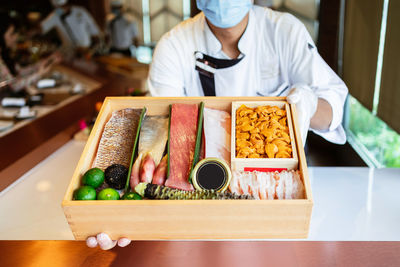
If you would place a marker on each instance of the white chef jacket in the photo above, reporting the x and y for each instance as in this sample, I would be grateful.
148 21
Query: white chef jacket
278 55
77 29
122 30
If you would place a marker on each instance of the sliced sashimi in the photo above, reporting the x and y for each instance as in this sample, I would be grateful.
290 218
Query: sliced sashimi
260 178
234 183
217 132
147 168
153 137
288 179
268 185
280 186
298 186
118 138
182 142
160 174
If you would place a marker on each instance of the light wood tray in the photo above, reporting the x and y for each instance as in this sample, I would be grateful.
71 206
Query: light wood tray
184 219
275 163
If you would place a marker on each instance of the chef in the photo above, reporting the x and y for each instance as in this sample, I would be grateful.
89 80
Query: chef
234 48
122 29
74 24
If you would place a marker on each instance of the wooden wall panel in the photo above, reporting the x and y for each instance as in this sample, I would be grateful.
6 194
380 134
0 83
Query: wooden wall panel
389 99
361 45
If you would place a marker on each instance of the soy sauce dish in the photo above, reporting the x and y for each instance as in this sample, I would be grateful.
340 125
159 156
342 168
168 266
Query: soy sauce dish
211 173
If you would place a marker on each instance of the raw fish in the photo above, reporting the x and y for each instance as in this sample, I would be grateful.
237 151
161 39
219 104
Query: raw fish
160 174
118 138
147 168
153 137
183 131
217 131
268 185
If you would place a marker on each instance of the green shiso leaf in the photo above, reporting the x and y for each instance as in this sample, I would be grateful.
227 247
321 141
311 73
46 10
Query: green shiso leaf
198 140
168 142
134 150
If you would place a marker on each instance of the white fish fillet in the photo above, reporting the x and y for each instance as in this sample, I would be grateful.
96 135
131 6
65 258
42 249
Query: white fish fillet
280 186
117 139
268 185
153 137
217 132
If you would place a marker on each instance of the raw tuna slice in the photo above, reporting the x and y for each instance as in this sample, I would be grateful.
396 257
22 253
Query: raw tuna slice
183 130
217 131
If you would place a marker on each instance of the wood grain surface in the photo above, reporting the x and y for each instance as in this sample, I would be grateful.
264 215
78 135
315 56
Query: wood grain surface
184 219
196 254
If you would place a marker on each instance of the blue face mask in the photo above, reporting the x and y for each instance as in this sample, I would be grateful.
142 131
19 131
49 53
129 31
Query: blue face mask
224 13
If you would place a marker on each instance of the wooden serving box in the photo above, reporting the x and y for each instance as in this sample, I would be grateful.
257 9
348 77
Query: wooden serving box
184 219
241 164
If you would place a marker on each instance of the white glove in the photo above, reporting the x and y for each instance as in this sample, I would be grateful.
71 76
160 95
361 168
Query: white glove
306 105
105 242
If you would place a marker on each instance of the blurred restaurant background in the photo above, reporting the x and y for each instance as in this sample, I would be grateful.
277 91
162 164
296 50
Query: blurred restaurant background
59 101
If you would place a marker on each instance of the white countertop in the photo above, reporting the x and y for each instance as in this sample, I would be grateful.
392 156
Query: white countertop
350 203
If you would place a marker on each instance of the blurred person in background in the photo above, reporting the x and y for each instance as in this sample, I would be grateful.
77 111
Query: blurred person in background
74 24
122 30
11 73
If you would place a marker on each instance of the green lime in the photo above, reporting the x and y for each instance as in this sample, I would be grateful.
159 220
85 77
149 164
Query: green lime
85 193
132 196
108 194
93 177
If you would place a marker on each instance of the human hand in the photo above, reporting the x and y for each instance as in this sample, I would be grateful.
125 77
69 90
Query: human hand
105 242
306 102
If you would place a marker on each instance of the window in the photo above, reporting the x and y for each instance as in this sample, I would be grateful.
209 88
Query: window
373 139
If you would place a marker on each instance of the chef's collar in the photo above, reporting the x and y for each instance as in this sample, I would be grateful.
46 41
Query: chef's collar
214 47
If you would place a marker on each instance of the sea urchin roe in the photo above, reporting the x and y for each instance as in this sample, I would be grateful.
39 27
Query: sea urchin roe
262 132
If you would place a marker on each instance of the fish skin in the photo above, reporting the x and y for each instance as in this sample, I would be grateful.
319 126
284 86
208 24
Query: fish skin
153 137
147 168
135 178
160 174
117 139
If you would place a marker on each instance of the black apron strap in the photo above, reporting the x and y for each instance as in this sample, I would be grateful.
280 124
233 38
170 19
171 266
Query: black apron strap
206 77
